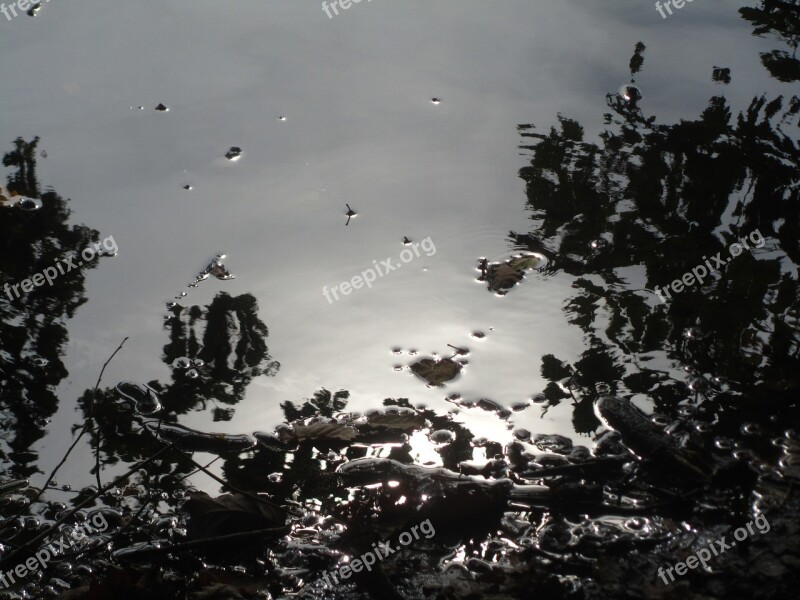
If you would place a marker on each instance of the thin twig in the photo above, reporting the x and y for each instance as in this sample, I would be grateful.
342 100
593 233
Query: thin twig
91 416
85 428
233 537
250 495
89 499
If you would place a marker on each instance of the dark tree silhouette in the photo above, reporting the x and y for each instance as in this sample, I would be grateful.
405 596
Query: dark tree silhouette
779 19
33 331
647 204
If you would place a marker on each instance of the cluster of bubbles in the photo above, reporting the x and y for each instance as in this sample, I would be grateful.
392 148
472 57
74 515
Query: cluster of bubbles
215 267
19 202
189 367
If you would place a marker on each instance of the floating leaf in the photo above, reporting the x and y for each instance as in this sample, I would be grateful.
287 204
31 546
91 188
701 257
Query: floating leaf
325 431
230 513
198 441
503 277
436 372
403 420
528 261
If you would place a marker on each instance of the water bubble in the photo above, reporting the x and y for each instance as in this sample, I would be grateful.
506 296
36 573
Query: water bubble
187 187
693 333
636 523
171 305
234 153
723 443
698 385
29 204
686 411
599 244
522 434
743 454
275 477
281 118
703 427
192 374
39 362
660 420
397 350
182 363
66 487
631 93
719 382
198 362
750 429
436 101
162 108
790 460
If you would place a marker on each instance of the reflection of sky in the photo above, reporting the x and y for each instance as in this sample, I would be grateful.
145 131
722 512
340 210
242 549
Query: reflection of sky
361 129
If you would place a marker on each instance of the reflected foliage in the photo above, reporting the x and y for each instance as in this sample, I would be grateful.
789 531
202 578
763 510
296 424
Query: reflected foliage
33 332
778 19
226 344
647 204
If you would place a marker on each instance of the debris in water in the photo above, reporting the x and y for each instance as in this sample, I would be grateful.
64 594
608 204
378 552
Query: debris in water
350 214
234 153
162 108
192 440
144 398
436 372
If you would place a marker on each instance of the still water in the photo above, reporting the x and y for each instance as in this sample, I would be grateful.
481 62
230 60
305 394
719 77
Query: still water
517 182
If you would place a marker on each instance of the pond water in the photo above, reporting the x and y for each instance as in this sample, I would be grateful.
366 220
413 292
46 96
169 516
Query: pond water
535 173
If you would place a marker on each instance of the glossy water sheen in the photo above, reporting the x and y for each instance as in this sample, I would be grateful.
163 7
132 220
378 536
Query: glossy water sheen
393 122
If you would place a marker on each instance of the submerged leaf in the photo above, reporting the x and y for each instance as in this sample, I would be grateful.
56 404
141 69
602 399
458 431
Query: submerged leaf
230 513
436 372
